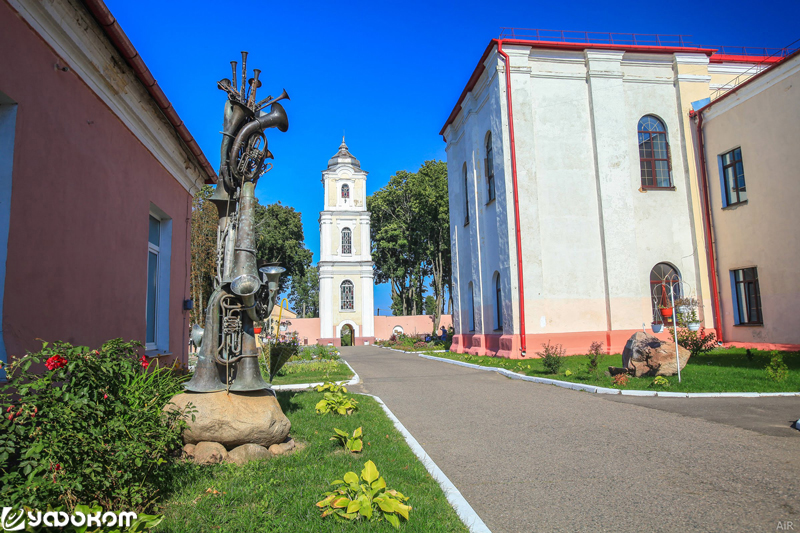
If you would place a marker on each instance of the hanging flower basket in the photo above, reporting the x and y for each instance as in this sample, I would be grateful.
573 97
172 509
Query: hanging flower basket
666 312
683 310
256 330
693 326
657 327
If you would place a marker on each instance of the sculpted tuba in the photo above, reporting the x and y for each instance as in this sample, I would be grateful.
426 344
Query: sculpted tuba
228 353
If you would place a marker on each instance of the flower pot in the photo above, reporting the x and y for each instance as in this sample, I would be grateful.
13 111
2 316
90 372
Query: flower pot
256 330
666 312
693 326
657 328
683 310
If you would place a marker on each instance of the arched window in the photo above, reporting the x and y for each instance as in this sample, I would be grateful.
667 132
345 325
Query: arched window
489 166
498 301
466 197
345 191
346 294
471 307
347 241
664 278
654 160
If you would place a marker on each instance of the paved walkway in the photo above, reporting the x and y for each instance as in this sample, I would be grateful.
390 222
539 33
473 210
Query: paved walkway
532 457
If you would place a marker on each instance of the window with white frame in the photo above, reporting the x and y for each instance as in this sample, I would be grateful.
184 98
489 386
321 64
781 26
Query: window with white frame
347 241
347 296
159 245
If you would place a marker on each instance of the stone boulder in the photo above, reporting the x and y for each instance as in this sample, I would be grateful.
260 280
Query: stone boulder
646 355
233 419
209 453
248 452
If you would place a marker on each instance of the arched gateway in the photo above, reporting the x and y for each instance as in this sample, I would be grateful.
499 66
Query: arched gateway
345 266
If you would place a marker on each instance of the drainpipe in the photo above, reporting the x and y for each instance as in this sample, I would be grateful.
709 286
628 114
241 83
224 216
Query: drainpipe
712 260
523 337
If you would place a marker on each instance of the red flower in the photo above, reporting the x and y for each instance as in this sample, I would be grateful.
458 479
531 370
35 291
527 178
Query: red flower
55 362
144 361
11 417
105 396
9 409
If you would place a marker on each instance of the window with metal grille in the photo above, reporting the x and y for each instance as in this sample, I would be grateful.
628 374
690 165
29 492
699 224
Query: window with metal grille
345 191
489 167
665 282
654 160
733 177
346 291
746 296
347 241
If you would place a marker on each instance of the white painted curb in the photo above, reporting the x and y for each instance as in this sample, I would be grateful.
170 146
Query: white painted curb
464 510
599 390
302 386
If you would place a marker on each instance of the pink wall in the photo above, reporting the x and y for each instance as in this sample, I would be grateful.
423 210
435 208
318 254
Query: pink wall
82 187
308 328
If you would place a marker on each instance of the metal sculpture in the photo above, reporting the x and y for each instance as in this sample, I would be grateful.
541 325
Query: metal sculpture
244 291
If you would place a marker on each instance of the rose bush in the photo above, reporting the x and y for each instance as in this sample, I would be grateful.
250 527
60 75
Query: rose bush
89 429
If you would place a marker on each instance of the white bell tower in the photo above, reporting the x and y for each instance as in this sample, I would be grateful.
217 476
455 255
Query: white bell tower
345 266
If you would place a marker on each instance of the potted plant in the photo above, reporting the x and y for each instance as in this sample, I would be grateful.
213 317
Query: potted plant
684 306
666 312
692 322
657 327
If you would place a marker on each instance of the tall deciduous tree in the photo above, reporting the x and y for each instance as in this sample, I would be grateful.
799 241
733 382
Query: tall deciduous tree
304 294
204 252
411 237
280 239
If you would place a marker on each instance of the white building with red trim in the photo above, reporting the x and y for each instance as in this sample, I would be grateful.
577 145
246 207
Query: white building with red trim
572 189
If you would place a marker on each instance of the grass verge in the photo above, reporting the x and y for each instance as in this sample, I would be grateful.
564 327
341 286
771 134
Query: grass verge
722 370
279 494
312 372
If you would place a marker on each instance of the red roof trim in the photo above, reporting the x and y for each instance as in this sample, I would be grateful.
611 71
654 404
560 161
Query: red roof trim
557 45
727 58
124 46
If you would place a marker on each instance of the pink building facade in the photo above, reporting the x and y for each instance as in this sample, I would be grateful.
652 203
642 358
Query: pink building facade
97 182
420 325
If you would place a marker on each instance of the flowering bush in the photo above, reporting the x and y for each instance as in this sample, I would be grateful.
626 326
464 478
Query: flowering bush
89 429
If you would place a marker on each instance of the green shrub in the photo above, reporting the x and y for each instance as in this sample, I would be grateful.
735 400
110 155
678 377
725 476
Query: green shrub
353 444
595 351
660 381
777 369
370 499
336 403
697 342
89 429
552 357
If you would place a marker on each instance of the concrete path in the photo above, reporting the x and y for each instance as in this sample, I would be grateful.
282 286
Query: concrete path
532 457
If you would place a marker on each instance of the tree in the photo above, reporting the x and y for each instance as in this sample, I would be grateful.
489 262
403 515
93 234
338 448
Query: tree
304 294
430 305
410 224
203 252
280 239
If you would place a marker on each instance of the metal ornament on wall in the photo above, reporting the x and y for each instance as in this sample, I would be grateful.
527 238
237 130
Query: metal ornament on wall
244 291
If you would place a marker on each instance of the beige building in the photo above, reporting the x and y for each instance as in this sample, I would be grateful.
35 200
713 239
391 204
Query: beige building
574 188
747 139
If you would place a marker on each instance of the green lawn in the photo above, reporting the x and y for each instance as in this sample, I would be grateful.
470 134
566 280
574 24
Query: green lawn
722 370
308 373
279 494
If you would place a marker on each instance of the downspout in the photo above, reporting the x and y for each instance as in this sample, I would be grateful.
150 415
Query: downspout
712 260
523 336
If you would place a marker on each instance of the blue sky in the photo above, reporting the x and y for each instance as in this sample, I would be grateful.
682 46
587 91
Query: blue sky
386 73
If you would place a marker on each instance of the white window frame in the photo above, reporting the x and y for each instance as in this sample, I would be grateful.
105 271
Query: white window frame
342 243
163 252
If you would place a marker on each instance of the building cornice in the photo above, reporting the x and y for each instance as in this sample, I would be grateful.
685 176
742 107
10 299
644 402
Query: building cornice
77 38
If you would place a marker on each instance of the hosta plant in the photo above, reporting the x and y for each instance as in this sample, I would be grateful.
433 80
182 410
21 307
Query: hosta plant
353 444
330 387
336 403
660 381
366 498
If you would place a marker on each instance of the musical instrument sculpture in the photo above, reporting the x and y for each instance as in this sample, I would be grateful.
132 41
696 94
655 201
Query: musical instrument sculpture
244 291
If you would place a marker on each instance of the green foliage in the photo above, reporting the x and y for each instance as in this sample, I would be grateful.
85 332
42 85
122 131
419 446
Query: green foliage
204 252
89 429
336 403
552 357
347 337
280 239
353 444
310 366
660 381
697 342
777 369
368 499
331 387
595 351
304 293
